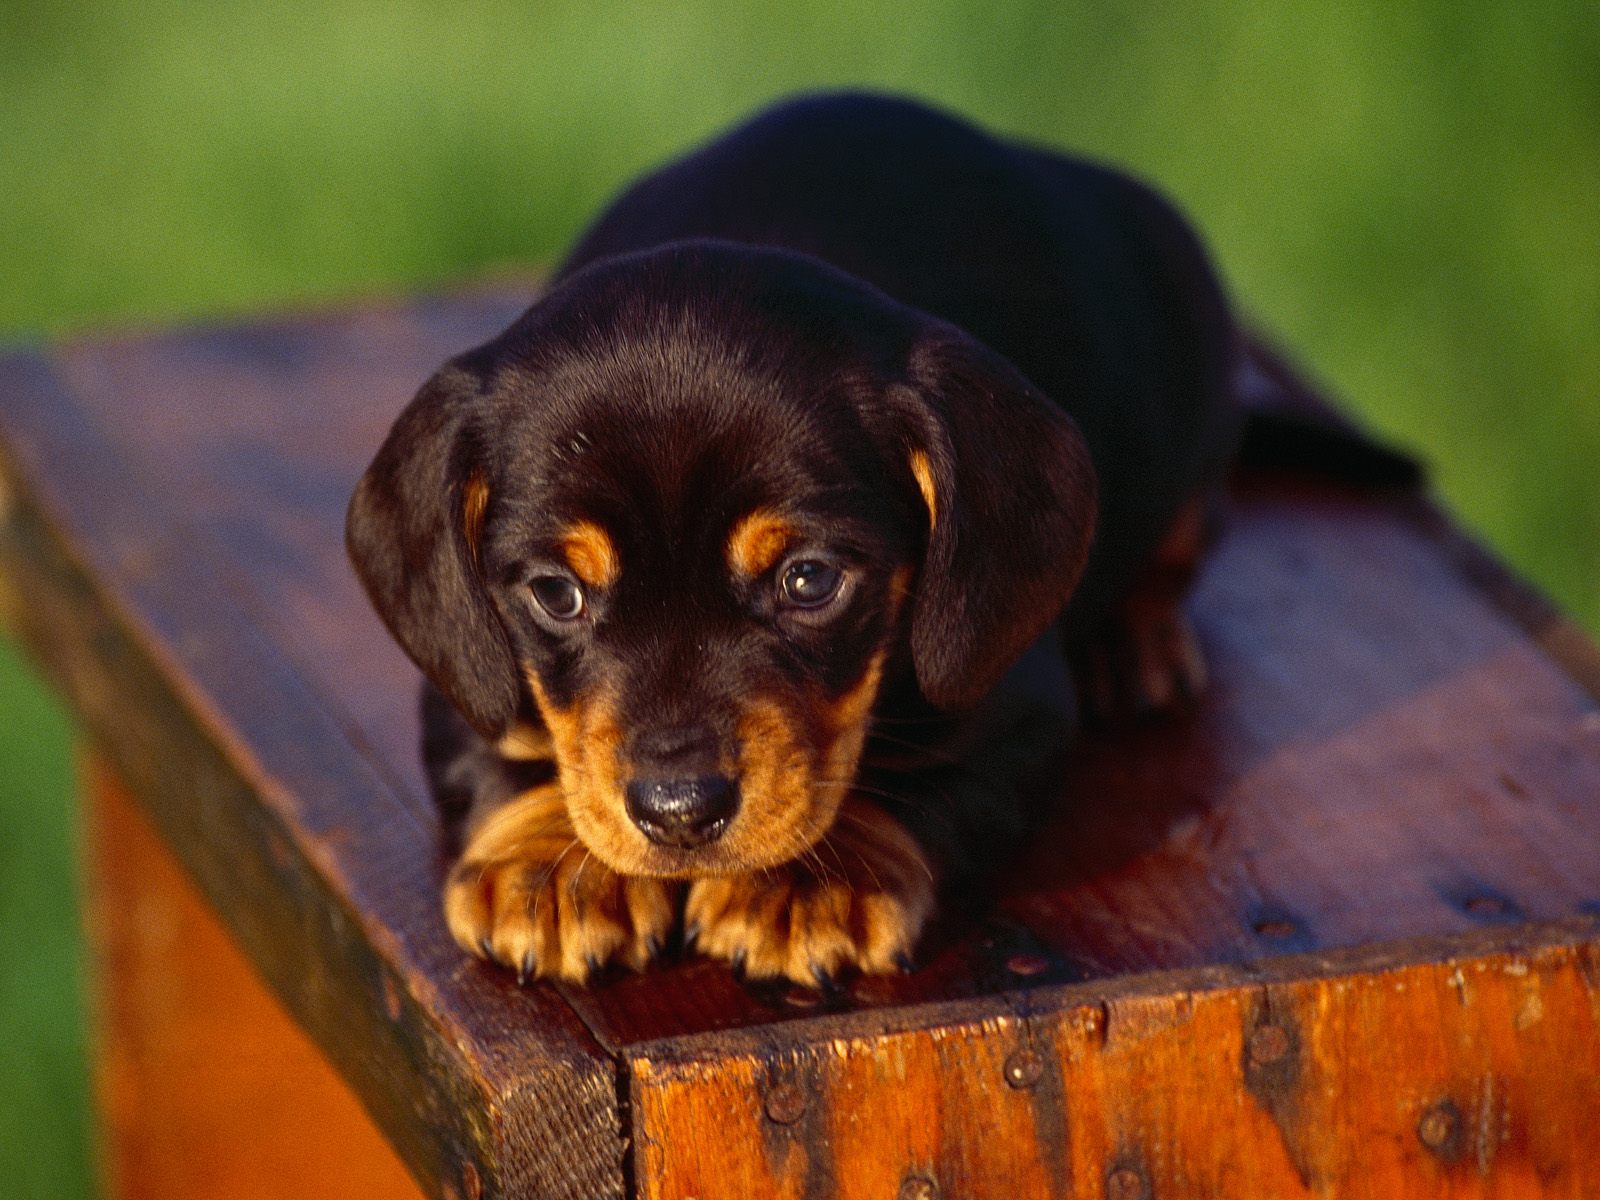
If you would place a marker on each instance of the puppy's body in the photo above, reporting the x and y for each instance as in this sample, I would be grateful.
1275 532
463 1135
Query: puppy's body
717 555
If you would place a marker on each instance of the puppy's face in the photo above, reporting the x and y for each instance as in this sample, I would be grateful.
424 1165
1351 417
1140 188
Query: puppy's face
701 571
698 507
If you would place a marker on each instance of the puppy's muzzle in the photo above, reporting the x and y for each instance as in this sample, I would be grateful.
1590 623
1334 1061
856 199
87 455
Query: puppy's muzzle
682 813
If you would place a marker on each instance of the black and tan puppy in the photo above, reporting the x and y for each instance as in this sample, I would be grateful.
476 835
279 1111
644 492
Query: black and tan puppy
717 555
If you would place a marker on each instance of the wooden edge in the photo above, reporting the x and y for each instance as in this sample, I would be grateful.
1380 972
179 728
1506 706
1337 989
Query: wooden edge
1476 1075
503 283
1368 958
527 1106
1561 638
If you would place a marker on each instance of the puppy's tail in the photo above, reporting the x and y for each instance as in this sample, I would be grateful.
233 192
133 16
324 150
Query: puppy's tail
1289 429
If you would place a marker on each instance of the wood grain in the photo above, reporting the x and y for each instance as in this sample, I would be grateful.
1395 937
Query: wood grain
1424 1079
205 1087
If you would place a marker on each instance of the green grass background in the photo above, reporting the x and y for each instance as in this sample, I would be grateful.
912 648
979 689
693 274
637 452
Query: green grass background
1409 195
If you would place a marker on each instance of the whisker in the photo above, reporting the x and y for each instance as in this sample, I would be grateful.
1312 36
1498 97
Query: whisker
867 863
876 836
809 856
572 884
554 821
833 849
866 789
545 878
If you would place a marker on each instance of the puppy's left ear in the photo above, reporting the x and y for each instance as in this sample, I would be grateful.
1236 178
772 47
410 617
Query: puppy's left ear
412 534
1010 492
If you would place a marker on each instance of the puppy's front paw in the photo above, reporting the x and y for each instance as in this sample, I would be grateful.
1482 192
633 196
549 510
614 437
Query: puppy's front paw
529 895
859 898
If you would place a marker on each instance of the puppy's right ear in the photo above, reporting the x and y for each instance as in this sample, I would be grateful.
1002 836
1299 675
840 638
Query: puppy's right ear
1010 492
411 533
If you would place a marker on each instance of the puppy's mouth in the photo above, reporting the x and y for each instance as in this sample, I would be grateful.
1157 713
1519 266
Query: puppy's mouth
769 801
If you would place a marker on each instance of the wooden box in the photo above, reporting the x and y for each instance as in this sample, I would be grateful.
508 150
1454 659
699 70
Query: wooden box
1334 933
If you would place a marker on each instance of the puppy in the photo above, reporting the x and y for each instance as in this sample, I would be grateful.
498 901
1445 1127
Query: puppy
714 560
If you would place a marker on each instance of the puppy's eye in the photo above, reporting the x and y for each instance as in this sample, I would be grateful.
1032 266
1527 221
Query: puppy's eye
809 583
560 598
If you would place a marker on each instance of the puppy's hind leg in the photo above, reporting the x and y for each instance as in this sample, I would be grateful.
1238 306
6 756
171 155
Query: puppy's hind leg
1145 659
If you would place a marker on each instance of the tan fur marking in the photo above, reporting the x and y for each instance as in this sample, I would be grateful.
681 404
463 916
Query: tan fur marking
528 895
922 472
518 824
847 717
854 702
757 541
586 738
526 743
794 770
793 779
591 554
782 810
538 887
899 592
474 500
860 900
839 882
563 724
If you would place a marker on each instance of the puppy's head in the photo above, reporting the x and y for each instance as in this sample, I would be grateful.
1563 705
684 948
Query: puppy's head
699 506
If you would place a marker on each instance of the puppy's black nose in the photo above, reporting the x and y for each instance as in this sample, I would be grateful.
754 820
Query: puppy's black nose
682 813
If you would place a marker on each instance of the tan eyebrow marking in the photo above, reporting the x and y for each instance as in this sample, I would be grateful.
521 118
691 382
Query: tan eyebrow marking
757 541
922 472
474 499
590 554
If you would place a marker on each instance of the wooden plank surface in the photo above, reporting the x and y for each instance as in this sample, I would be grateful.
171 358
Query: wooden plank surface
1398 745
1434 1070
204 1086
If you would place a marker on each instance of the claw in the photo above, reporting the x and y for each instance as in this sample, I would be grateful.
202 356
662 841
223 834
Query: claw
525 968
652 948
827 982
485 947
593 964
902 960
691 935
738 963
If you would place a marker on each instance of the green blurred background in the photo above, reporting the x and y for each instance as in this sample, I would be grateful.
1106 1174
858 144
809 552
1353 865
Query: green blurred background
1408 195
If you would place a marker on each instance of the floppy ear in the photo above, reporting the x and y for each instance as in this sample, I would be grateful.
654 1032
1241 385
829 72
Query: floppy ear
411 533
1010 493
